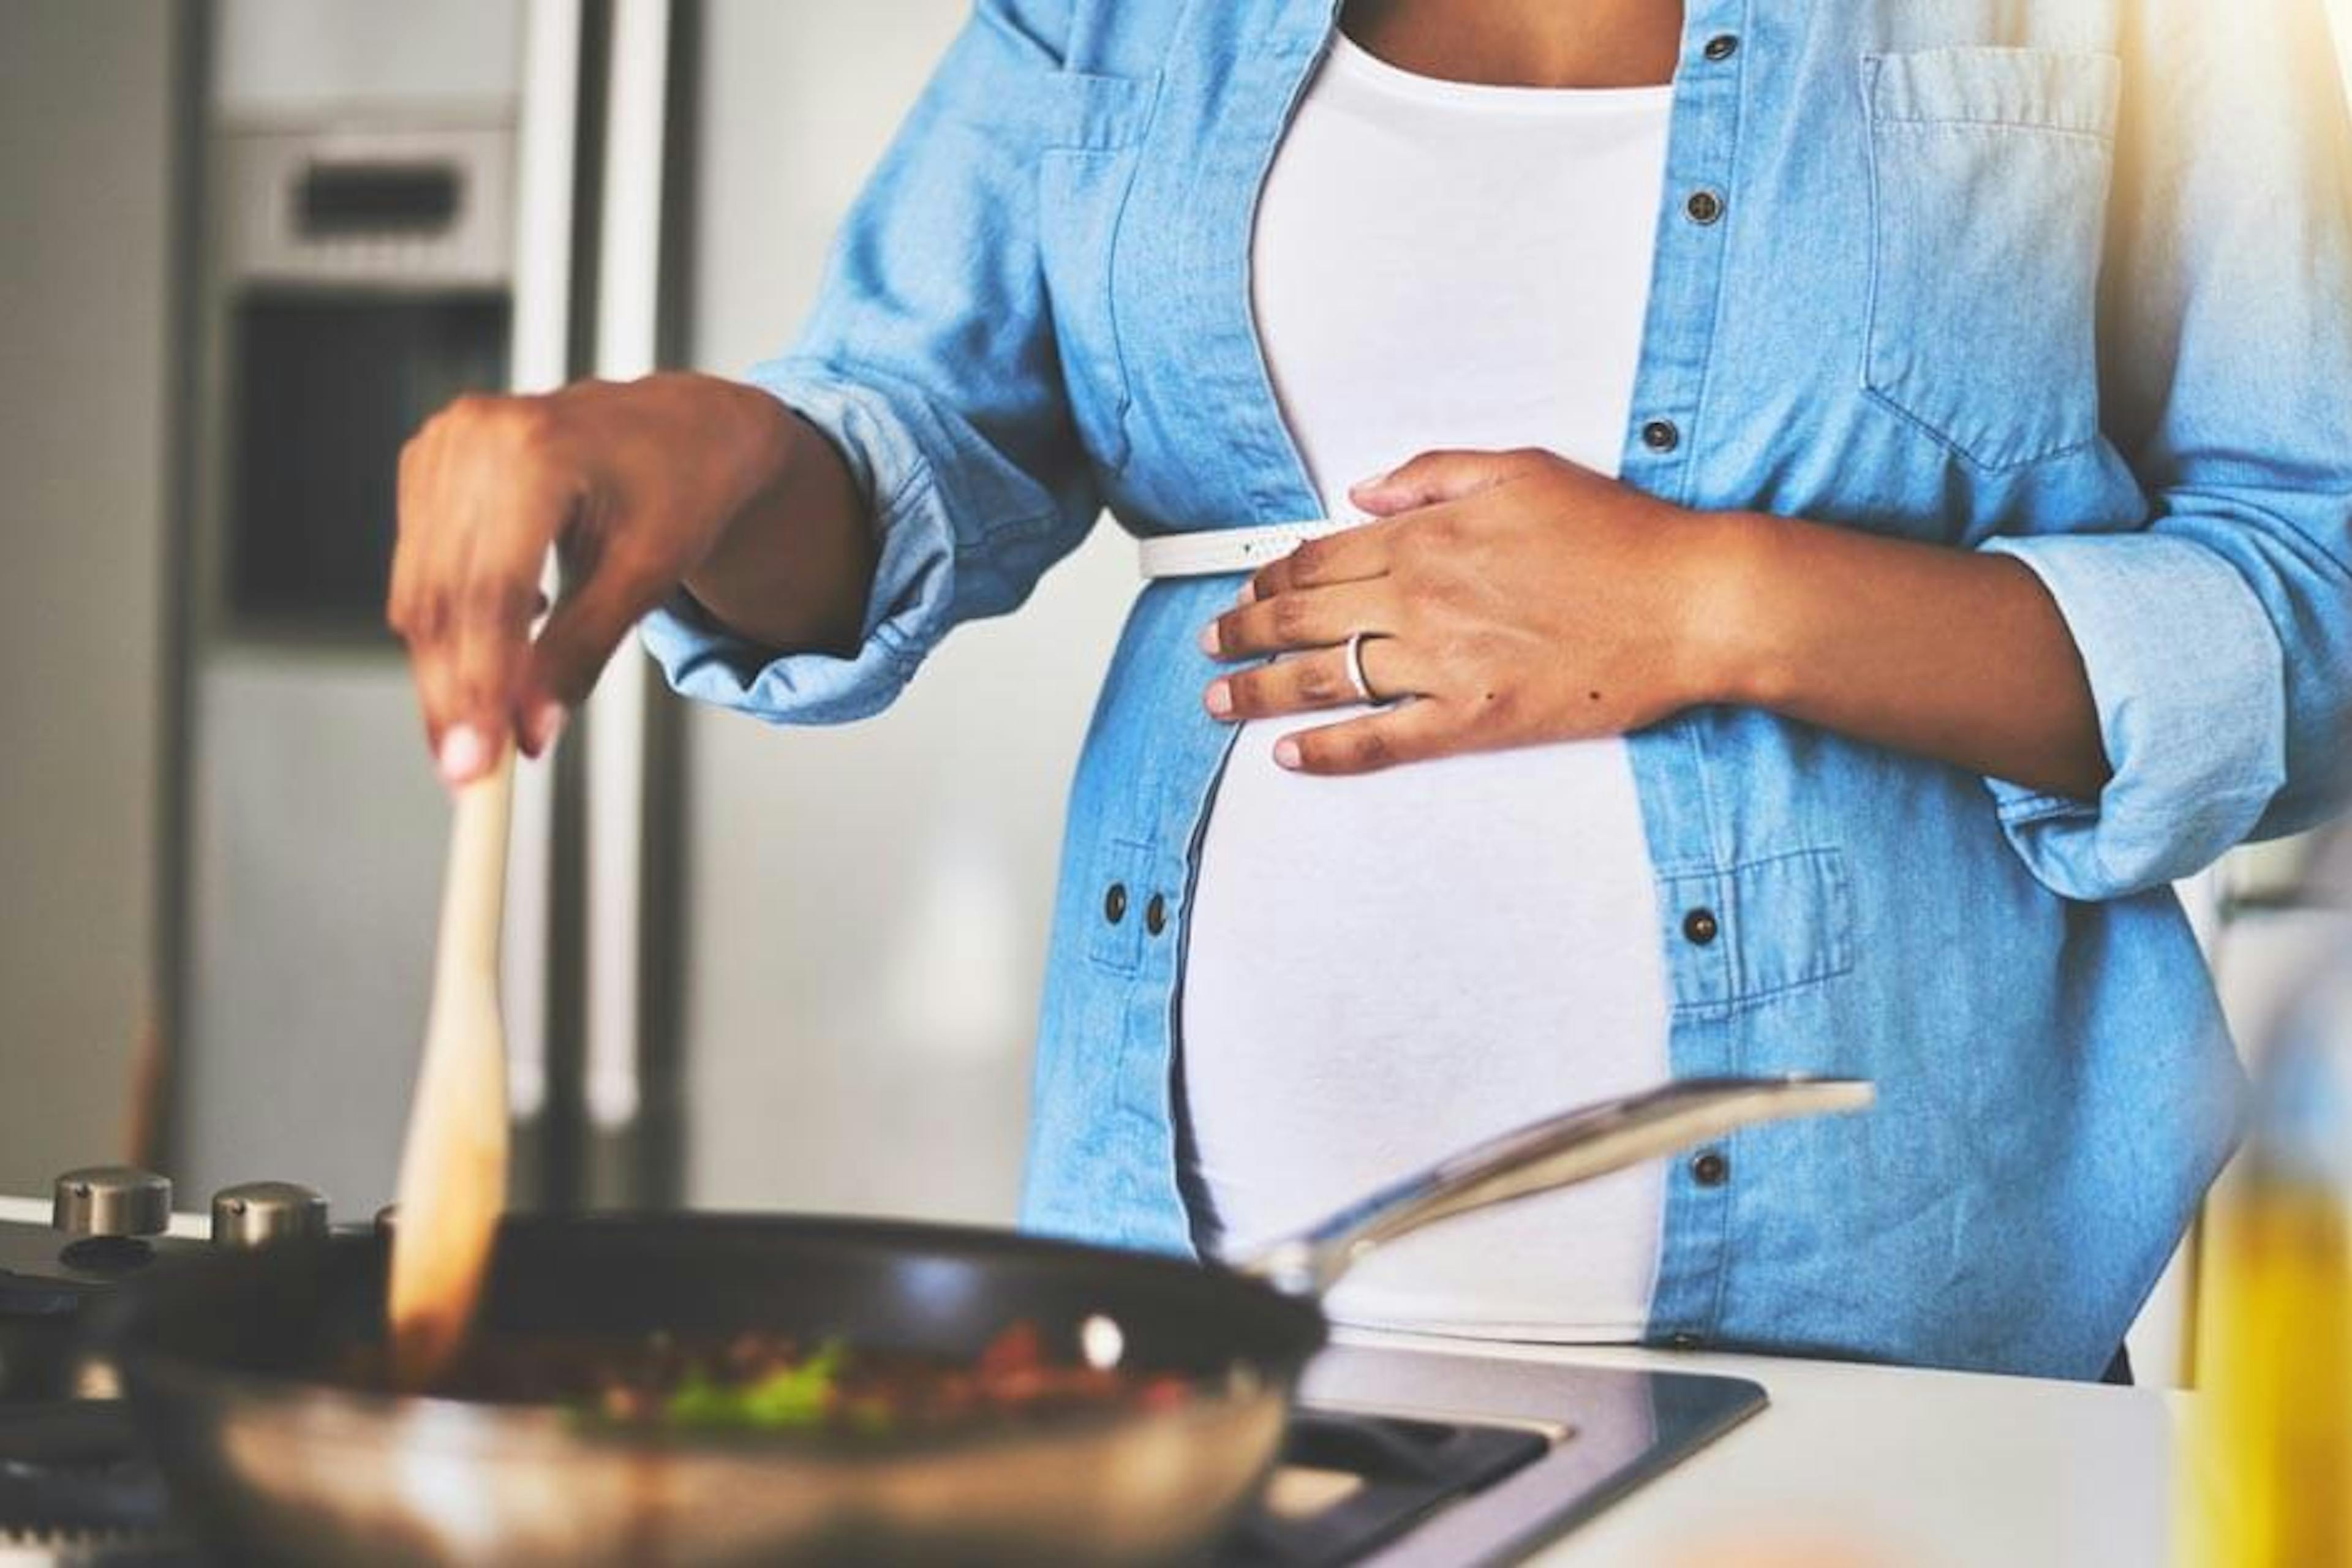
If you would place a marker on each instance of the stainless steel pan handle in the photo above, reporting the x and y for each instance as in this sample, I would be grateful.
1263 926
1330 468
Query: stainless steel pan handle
1560 1151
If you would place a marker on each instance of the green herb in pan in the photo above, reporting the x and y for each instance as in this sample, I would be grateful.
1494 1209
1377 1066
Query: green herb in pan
790 1399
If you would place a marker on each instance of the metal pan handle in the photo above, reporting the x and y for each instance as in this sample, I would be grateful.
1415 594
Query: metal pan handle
1560 1151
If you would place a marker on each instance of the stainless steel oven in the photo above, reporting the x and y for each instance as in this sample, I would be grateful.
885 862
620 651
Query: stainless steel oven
366 281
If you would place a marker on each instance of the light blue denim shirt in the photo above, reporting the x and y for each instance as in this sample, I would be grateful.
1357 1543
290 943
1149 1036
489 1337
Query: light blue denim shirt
2071 281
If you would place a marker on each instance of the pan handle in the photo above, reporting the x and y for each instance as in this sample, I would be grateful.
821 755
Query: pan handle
1559 1152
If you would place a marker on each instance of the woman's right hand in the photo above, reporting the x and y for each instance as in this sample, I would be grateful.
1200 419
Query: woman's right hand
633 485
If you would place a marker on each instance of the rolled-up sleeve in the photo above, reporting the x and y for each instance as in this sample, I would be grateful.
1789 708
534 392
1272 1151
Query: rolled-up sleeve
2218 636
929 363
2197 736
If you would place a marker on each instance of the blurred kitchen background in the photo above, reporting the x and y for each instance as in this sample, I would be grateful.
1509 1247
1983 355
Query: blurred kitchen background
247 245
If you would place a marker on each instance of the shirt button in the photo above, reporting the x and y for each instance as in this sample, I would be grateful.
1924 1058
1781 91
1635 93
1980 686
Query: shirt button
1721 48
1709 1168
1115 903
1155 914
1661 436
1704 207
1699 926
1684 1342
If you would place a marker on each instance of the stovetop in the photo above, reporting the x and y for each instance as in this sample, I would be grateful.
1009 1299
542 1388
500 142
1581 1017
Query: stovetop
1403 1458
1606 1431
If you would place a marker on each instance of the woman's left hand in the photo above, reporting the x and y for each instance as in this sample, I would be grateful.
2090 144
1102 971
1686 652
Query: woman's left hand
1517 598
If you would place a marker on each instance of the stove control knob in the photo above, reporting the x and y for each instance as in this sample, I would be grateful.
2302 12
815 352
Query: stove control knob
260 1213
111 1200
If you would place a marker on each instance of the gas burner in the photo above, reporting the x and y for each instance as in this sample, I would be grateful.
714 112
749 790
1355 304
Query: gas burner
73 1468
76 1491
75 1488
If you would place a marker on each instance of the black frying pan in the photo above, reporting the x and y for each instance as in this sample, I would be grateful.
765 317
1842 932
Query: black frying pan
221 1355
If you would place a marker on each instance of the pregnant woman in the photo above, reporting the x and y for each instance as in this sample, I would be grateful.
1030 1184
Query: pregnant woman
1848 502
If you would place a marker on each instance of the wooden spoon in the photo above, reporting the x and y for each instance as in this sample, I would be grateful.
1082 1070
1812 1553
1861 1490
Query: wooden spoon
453 1168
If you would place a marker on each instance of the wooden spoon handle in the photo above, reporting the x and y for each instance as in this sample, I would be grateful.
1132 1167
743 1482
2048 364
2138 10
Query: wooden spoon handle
474 893
453 1167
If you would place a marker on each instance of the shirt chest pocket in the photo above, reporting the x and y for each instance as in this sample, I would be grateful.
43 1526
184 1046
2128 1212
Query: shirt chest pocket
1084 173
1990 171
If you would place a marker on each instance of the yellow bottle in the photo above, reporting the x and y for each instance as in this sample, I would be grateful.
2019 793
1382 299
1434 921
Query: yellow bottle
2270 1469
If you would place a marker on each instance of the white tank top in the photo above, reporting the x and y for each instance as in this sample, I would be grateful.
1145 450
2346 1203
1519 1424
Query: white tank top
1382 970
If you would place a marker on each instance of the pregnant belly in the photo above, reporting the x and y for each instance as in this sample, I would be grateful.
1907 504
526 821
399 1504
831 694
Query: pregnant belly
1382 970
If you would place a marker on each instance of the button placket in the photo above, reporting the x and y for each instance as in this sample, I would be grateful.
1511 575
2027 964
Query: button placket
1692 1291
1685 292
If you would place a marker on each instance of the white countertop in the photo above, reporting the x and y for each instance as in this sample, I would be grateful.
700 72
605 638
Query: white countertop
1854 1466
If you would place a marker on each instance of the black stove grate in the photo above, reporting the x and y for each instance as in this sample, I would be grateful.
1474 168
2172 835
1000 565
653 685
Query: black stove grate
71 1477
1401 1470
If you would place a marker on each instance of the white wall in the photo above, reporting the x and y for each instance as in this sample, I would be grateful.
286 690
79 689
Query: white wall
85 143
866 907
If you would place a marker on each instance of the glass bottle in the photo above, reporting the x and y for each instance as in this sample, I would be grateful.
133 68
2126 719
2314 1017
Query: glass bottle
2271 1436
